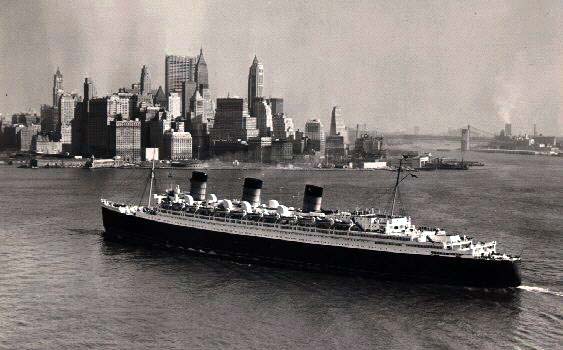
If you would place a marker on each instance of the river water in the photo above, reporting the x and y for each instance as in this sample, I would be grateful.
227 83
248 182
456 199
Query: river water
63 287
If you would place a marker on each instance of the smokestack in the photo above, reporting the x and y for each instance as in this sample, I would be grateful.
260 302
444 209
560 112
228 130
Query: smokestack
198 185
312 198
535 130
251 191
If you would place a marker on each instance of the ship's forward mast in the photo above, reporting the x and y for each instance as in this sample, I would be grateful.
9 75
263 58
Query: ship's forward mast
397 183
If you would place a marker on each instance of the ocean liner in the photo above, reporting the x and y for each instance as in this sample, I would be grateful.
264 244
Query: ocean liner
367 243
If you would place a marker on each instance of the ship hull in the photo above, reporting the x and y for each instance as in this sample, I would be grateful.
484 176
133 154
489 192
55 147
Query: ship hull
385 265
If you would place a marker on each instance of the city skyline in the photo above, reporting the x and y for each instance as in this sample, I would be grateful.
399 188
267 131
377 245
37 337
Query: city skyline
403 70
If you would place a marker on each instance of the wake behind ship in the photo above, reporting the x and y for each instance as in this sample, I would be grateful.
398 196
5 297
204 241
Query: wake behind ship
366 243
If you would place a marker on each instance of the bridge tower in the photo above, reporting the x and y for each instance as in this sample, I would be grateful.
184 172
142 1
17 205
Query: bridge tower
465 139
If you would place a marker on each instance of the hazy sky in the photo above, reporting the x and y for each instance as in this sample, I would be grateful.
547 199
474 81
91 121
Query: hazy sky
389 64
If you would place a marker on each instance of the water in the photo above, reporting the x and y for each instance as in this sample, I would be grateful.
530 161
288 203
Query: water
63 287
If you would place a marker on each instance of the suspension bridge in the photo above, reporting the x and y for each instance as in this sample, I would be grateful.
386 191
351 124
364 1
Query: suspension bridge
468 135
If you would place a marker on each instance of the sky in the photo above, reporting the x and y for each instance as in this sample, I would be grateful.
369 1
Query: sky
392 65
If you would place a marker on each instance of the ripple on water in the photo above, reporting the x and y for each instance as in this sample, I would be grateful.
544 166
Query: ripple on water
62 286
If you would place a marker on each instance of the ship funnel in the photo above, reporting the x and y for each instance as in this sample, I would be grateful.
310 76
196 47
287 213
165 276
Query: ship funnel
198 185
312 198
251 191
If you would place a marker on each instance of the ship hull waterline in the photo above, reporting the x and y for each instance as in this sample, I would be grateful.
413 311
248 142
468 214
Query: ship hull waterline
435 269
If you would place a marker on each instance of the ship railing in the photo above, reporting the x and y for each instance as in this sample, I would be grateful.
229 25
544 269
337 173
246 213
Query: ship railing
299 229
260 223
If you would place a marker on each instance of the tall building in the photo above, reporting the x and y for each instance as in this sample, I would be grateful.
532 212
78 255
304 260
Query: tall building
201 76
89 93
177 145
198 108
299 142
208 107
101 115
175 104
314 132
120 104
335 150
232 121
259 149
368 148
57 87
160 98
337 126
282 151
198 126
155 127
67 105
26 118
282 127
276 104
145 82
188 90
125 140
49 118
508 130
255 83
263 114
24 136
202 81
79 131
178 69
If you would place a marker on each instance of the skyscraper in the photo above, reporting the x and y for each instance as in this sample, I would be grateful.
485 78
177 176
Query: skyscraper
337 126
49 118
232 121
79 138
125 139
89 93
145 81
276 104
177 145
201 76
255 83
57 87
188 90
282 127
160 98
178 69
508 130
314 131
97 133
175 104
198 109
119 104
335 149
263 116
67 103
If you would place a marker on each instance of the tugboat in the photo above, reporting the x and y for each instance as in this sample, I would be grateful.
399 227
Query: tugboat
367 243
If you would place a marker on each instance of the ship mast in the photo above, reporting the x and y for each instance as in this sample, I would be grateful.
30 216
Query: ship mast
396 187
152 180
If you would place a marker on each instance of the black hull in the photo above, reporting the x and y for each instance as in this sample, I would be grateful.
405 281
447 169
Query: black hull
409 267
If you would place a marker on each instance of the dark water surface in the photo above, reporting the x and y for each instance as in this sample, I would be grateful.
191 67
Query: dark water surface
63 287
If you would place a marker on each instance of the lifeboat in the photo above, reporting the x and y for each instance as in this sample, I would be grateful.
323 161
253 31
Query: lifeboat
324 223
254 216
342 225
306 221
271 218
